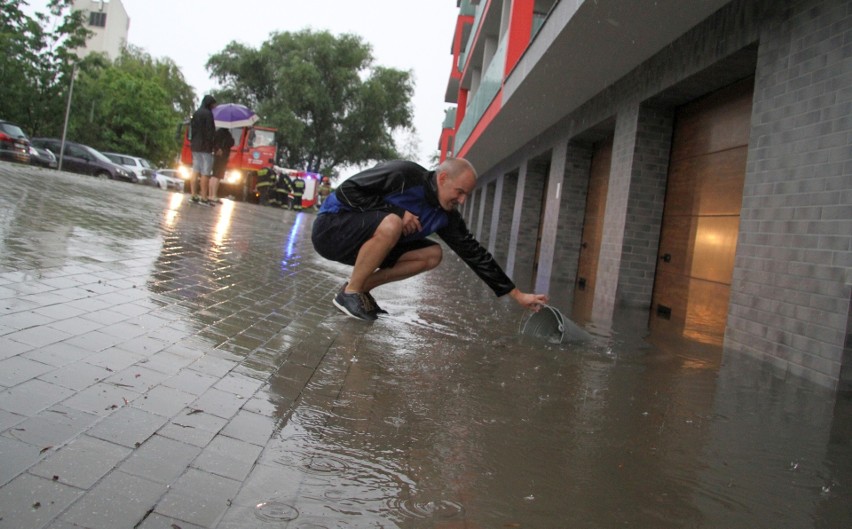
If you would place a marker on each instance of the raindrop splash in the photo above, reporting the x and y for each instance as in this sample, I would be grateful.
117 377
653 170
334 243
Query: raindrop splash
275 511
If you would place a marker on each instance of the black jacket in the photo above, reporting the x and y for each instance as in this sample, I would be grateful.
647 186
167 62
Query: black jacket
400 186
203 127
222 142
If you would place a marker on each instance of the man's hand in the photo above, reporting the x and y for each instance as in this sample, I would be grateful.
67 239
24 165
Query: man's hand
410 223
533 302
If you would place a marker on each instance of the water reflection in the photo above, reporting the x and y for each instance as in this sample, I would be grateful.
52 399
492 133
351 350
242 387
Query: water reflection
223 224
171 213
465 423
295 232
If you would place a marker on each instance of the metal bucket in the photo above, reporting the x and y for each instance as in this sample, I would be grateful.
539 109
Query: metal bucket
547 324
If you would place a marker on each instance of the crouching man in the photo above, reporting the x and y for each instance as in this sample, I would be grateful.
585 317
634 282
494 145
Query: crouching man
377 221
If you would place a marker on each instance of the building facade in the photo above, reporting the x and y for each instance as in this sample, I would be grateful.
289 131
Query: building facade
688 157
109 23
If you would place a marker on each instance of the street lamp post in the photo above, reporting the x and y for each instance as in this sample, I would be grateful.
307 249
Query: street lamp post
67 115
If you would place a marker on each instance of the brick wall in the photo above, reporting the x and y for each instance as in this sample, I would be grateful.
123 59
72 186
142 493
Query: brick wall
479 213
572 209
792 281
791 287
484 230
506 211
649 171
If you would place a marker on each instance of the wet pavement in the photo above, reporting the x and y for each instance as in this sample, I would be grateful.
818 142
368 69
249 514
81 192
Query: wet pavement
167 365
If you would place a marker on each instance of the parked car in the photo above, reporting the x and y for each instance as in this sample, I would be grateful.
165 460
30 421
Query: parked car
14 144
142 169
42 157
169 179
79 158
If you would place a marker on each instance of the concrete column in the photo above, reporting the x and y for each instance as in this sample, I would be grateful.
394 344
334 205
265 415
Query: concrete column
480 215
470 211
487 220
550 221
517 207
646 199
495 217
508 186
609 261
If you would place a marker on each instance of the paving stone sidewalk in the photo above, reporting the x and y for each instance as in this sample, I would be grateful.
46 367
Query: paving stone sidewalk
139 337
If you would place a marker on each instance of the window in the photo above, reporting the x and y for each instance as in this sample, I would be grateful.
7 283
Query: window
77 152
97 18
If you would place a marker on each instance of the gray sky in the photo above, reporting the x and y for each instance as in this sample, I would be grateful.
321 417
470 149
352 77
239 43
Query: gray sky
411 35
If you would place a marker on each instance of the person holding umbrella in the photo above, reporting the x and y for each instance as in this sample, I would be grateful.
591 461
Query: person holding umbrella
222 143
201 131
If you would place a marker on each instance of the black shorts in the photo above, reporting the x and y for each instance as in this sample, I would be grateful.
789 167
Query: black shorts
339 236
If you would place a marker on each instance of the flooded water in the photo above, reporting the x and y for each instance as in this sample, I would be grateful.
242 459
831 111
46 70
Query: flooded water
444 416
441 414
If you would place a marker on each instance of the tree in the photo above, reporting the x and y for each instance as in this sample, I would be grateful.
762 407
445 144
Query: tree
164 71
132 105
36 63
331 105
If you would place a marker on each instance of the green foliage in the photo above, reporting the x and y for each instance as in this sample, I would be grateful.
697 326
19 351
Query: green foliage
36 62
331 106
130 106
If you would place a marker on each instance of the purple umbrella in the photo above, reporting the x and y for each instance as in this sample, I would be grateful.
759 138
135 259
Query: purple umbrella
231 115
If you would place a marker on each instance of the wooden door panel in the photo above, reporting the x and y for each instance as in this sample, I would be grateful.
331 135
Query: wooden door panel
711 184
714 245
717 122
701 215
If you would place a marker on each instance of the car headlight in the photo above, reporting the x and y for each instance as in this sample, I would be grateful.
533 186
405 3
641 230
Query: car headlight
233 177
183 172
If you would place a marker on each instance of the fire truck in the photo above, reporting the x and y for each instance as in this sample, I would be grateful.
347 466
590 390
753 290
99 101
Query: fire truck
312 181
253 148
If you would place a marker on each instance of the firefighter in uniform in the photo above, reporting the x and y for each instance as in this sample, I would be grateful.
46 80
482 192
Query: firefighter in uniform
265 181
298 191
323 191
282 190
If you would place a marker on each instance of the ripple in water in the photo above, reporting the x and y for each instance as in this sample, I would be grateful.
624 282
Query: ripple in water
432 510
275 511
316 462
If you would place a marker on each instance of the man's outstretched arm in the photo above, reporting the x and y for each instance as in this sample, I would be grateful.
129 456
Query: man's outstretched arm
533 302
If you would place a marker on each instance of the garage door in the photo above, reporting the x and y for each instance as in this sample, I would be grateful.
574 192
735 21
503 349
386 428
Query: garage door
702 215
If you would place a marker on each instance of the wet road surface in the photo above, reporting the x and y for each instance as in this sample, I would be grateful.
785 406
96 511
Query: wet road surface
171 365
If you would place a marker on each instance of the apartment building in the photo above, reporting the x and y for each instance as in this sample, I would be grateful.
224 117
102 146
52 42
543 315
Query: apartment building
109 22
688 158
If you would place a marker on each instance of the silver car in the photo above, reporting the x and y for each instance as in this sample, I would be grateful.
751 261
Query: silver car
169 179
141 168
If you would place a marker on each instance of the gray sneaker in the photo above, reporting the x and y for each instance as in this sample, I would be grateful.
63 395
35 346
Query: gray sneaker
376 306
356 305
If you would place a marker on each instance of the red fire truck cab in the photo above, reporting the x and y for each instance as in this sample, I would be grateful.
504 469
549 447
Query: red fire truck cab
253 148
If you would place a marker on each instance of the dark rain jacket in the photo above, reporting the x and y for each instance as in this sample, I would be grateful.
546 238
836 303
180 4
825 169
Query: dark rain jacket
202 127
400 186
222 142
